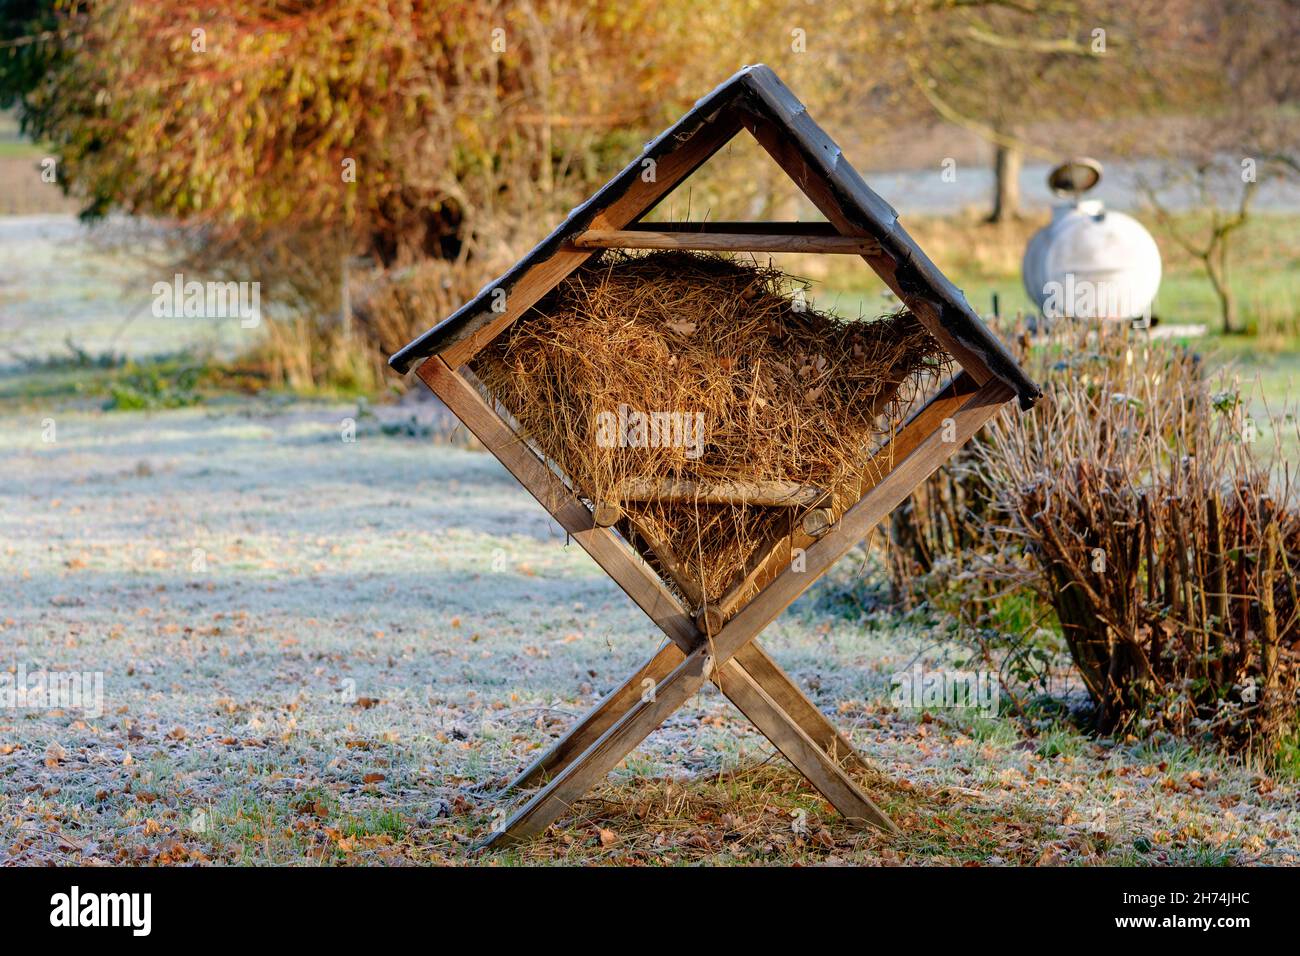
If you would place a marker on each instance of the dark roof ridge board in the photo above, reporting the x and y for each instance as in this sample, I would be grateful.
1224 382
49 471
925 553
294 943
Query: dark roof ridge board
758 90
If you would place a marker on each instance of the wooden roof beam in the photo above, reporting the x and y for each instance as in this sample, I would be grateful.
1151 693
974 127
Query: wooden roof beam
725 242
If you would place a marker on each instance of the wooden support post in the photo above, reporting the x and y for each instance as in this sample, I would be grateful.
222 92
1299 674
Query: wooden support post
558 797
815 761
787 695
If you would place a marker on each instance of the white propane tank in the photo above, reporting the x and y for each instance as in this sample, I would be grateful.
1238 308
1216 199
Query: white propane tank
1087 262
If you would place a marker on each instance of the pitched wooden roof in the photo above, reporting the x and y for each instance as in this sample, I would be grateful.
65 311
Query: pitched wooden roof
757 94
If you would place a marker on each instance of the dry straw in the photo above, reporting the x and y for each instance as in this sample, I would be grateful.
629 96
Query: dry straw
780 393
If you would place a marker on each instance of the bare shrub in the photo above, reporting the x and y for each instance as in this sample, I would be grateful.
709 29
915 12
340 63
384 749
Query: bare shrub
1135 504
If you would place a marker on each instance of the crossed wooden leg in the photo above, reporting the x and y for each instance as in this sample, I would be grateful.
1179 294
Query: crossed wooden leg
751 668
739 667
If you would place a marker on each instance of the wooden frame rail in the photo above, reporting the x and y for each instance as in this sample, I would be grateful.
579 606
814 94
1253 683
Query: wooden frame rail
745 227
773 494
725 242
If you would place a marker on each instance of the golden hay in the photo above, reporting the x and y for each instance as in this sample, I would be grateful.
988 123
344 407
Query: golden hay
705 369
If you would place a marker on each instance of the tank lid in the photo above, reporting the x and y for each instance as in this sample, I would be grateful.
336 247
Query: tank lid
1074 177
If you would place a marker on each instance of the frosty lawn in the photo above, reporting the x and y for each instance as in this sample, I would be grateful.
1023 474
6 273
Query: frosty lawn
320 651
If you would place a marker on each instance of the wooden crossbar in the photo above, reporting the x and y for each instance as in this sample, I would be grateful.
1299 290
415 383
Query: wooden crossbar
758 227
761 494
725 242
774 494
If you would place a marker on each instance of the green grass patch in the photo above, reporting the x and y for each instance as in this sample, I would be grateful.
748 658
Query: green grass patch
168 384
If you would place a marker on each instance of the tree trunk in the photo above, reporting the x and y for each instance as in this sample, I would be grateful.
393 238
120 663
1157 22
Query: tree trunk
1006 183
1222 292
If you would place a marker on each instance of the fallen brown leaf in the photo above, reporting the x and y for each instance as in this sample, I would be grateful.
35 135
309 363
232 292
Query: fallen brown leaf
54 754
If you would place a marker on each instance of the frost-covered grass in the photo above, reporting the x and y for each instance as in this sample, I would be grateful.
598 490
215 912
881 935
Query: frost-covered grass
315 651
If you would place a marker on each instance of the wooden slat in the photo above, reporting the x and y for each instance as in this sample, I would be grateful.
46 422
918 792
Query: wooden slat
640 197
763 228
725 242
525 293
784 494
815 762
787 695
559 796
641 534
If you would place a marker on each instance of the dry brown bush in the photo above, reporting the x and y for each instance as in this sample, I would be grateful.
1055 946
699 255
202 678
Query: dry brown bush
1137 502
